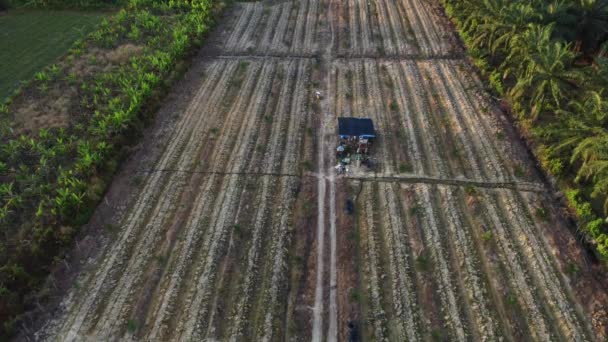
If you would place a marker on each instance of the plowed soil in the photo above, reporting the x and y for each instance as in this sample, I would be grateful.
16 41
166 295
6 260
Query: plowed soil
230 222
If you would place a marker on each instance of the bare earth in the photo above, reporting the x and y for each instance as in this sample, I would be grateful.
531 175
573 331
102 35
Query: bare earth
229 221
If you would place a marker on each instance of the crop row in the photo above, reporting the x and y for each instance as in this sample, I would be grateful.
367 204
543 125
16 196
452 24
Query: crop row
486 261
233 125
289 27
391 28
366 28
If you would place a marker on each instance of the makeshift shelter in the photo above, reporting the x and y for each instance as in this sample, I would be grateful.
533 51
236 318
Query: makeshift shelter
360 128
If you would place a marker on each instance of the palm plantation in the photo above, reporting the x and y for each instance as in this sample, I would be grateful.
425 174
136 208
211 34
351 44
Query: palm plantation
549 59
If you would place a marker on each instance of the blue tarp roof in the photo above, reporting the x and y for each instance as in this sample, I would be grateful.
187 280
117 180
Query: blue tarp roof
359 127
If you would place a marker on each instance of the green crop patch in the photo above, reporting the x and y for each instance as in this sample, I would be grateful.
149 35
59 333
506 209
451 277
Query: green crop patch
31 40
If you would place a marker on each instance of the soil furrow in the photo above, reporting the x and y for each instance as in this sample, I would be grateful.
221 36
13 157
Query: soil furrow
311 27
117 251
235 225
384 25
277 40
372 267
156 222
398 33
402 285
219 153
372 80
244 14
367 44
419 34
482 142
352 27
265 44
518 277
409 121
454 123
271 164
246 42
447 294
484 320
543 268
299 29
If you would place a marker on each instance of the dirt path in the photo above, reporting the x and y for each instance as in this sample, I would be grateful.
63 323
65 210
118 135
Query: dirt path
230 223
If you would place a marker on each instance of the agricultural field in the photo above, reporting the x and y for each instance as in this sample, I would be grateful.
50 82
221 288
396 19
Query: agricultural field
230 223
31 40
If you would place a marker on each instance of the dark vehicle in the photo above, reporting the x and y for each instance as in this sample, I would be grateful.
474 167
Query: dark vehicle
350 207
353 331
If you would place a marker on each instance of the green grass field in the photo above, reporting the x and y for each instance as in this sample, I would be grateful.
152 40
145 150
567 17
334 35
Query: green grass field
31 40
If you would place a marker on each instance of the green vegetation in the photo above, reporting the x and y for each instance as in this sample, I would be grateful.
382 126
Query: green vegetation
549 61
31 40
51 178
63 4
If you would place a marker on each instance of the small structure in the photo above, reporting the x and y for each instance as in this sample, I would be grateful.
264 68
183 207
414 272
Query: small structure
356 128
356 137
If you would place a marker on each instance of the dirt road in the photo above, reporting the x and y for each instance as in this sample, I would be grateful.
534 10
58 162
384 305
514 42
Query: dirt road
233 223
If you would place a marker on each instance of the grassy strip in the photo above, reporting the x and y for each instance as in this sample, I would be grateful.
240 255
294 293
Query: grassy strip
529 55
52 177
63 4
31 40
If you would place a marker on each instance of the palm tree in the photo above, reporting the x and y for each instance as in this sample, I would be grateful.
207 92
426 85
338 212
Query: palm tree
493 23
591 27
592 153
545 77
579 121
582 133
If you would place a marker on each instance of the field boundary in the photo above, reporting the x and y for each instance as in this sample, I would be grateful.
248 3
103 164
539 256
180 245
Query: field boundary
402 178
